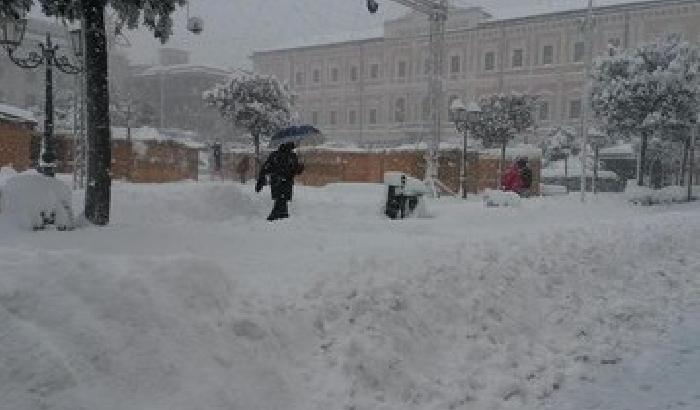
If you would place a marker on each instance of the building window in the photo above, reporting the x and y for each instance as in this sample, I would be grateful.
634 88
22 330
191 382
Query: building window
317 76
579 51
402 69
30 100
314 117
374 71
614 42
400 110
575 109
353 74
426 67
334 74
518 58
333 118
425 109
489 61
373 116
299 79
352 117
544 111
547 55
455 64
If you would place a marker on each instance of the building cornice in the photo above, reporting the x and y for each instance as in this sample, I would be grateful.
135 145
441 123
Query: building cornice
498 24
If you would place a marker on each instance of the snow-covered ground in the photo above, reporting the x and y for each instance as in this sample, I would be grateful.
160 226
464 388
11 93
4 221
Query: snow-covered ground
191 300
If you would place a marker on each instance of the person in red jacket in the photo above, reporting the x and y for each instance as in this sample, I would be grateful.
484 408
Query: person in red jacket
512 180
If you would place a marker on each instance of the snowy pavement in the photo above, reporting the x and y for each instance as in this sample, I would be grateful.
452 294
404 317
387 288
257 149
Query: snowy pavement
666 376
191 300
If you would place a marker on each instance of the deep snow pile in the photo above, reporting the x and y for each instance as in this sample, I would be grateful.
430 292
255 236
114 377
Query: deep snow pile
28 199
192 301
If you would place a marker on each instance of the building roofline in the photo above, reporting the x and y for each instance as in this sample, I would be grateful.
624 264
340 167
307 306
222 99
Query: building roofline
631 6
637 5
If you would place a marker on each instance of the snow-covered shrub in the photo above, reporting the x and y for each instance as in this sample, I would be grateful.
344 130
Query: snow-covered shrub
30 199
643 195
501 198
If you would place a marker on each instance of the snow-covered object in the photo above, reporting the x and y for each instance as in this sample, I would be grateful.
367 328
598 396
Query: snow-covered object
414 186
29 199
16 114
494 198
644 195
648 88
551 190
258 104
502 116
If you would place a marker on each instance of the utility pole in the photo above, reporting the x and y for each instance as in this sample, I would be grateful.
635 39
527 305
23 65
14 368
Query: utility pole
437 11
587 89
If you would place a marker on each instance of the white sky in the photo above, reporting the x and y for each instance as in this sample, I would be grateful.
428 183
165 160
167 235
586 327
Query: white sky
233 29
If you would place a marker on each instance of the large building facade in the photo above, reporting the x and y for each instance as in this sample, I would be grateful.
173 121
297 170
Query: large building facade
374 91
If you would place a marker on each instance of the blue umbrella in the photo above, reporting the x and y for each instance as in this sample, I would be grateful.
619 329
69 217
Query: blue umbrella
295 133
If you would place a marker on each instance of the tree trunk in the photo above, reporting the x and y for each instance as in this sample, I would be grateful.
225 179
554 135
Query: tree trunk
643 158
596 153
684 161
256 141
502 165
97 195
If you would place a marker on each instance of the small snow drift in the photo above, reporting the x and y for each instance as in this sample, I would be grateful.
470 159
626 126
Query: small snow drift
642 195
493 198
33 201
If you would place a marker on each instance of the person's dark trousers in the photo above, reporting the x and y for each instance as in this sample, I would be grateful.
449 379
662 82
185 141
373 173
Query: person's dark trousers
279 211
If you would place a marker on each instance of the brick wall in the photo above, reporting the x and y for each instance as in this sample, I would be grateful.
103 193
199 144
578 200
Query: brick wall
140 161
19 146
324 167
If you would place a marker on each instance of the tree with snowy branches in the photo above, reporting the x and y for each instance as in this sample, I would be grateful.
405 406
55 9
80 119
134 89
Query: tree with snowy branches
258 104
502 117
154 14
648 91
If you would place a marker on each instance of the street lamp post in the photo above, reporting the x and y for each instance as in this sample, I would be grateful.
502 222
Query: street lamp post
12 31
464 117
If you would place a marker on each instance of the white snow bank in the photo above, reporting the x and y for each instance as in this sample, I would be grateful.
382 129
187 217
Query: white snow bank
647 196
551 190
184 203
494 197
28 199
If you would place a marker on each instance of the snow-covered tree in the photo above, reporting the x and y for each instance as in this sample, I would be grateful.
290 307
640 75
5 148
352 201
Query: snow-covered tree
502 117
258 104
154 14
647 91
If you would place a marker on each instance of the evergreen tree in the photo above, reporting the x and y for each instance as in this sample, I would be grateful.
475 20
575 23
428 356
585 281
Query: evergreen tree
502 117
257 104
648 91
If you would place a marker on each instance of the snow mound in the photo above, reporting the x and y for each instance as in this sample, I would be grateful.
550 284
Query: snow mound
184 203
647 196
500 198
29 200
552 190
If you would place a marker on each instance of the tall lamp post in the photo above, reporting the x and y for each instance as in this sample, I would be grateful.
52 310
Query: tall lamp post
11 36
464 117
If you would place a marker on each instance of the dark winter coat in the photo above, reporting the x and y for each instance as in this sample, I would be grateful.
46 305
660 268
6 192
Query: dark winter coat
282 166
526 176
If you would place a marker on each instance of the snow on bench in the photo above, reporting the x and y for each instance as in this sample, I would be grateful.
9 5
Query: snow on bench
33 201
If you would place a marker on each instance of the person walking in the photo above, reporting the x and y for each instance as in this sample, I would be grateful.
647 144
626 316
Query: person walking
282 166
242 169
